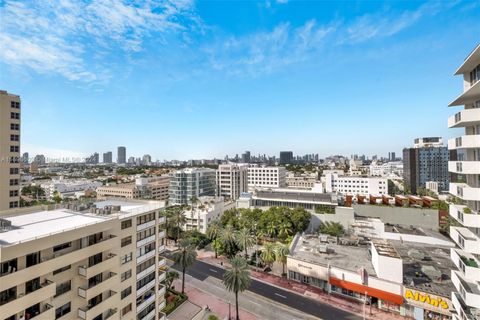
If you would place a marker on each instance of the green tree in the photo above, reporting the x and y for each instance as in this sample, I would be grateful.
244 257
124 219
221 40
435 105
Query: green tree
272 229
177 219
170 277
281 253
334 229
268 254
185 257
245 240
285 229
213 232
229 243
237 279
229 217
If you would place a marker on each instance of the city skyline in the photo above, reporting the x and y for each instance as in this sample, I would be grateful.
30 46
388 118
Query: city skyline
193 82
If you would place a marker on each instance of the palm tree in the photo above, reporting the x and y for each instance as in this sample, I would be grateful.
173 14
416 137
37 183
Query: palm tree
170 277
178 220
244 240
213 232
281 253
185 257
237 279
268 254
285 229
272 229
227 237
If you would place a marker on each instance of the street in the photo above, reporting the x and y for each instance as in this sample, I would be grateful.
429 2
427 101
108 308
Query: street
201 271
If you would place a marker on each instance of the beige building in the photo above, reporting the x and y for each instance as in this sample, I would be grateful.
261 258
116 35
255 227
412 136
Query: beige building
89 262
155 188
304 181
231 180
9 150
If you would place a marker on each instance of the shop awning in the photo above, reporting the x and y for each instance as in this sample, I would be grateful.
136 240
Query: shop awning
362 289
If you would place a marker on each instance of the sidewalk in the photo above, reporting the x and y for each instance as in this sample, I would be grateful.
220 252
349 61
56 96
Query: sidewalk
216 305
308 291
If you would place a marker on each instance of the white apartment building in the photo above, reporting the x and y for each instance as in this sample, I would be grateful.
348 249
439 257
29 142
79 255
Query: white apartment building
68 187
208 209
266 177
392 169
355 185
464 168
85 261
155 188
231 180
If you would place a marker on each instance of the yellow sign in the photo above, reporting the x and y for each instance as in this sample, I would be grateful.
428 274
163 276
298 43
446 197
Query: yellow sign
421 297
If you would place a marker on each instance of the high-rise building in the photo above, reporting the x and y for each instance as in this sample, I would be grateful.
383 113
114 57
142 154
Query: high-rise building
191 183
286 157
93 159
426 161
391 156
121 155
84 262
39 159
107 157
9 150
25 158
232 180
464 167
246 157
147 159
266 177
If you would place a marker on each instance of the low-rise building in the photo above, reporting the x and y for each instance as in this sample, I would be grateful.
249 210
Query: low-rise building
83 261
204 212
156 188
301 181
66 188
356 185
231 180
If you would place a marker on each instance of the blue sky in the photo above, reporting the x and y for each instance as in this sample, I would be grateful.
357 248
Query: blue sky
186 79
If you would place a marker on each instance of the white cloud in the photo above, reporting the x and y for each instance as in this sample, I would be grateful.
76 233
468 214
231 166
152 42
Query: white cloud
53 154
61 36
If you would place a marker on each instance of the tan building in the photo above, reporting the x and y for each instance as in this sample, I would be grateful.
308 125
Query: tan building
304 181
83 262
155 188
9 150
232 180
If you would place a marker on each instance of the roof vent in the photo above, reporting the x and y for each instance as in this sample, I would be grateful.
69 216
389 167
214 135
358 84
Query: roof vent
5 225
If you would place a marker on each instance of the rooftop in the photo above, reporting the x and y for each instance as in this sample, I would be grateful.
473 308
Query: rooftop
299 195
310 248
426 267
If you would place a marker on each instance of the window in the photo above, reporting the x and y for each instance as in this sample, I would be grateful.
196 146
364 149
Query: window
126 309
63 310
14 115
125 293
13 193
14 126
126 275
62 269
145 233
63 288
126 258
126 241
145 265
14 148
14 182
13 204
145 280
15 105
14 137
62 246
14 171
126 224
146 218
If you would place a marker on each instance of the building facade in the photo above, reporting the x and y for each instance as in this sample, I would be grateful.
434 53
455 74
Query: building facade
426 161
84 262
204 212
266 177
464 167
301 181
107 157
188 184
155 188
231 180
121 155
9 150
356 185
286 157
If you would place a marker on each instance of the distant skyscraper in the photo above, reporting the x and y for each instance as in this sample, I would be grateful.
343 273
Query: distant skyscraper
39 159
93 159
426 161
25 158
286 157
108 157
147 159
246 157
10 150
121 155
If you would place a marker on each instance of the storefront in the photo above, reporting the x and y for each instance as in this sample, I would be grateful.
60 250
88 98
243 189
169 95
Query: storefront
426 306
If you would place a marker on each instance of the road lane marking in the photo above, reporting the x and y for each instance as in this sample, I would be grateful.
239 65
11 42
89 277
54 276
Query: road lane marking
277 294
213 270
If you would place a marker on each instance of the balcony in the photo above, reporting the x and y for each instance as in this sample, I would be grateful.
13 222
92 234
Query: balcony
464 191
468 96
90 312
89 292
149 270
162 316
464 118
463 311
464 167
469 291
161 291
465 215
162 220
145 288
161 248
48 313
150 315
462 142
107 264
22 302
162 262
145 303
145 241
145 257
146 225
55 262
162 274
161 234
467 263
465 239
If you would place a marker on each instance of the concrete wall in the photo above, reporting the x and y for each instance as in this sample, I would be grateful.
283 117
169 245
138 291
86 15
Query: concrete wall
424 218
343 215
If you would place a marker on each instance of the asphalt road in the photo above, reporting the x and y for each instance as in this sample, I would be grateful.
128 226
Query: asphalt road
201 270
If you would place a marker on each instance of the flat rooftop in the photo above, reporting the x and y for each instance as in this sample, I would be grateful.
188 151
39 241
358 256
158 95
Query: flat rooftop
295 195
30 226
350 256
426 267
